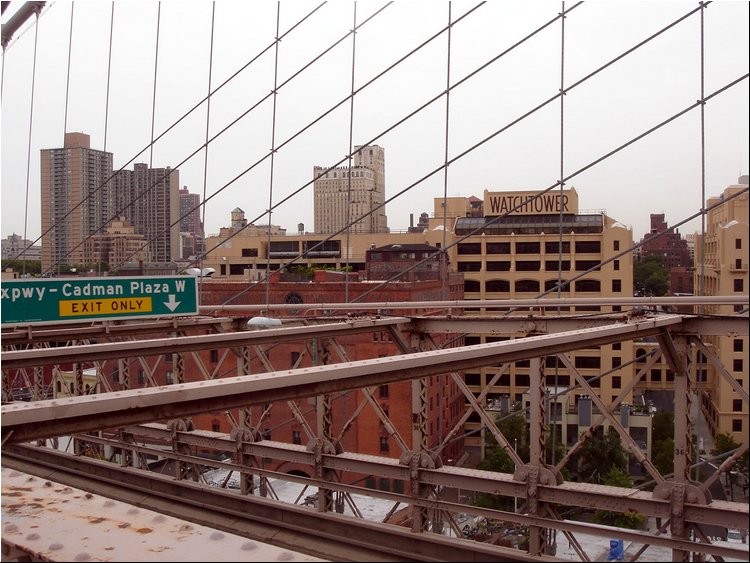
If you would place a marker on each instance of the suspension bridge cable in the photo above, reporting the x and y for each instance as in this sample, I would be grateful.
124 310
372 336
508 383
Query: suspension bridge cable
273 146
67 85
568 177
153 98
155 249
382 133
106 105
486 139
591 164
562 185
701 278
267 155
208 121
349 164
168 129
237 232
296 134
31 121
109 75
67 75
443 255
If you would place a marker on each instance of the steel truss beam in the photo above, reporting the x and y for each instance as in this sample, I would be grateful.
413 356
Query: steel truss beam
183 495
160 346
24 421
110 330
29 421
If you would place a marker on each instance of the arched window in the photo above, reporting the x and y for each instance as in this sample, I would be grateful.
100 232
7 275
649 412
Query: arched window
497 286
588 286
550 284
527 286
471 285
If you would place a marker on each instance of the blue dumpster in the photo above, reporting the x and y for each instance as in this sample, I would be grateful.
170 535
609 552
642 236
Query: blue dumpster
616 550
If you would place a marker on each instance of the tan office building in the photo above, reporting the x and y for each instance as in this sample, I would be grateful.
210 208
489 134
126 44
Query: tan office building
517 247
363 184
118 244
725 269
507 246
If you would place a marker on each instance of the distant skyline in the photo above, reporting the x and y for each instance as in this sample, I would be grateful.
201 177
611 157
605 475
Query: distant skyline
660 173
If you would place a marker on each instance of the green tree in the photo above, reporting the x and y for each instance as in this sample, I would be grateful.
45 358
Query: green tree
600 453
497 459
724 443
650 277
98 266
630 519
662 426
662 455
32 266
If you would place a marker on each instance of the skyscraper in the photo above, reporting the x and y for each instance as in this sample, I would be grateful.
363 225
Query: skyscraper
191 227
149 199
364 182
74 199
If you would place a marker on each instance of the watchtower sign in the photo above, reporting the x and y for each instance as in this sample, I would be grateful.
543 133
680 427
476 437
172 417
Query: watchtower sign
76 299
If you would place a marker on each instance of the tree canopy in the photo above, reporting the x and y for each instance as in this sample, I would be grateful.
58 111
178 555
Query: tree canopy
650 277
599 454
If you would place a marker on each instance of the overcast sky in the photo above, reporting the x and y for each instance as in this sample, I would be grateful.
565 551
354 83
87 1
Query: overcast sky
659 174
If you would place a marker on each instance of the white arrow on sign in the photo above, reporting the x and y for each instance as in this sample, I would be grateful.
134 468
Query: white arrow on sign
172 304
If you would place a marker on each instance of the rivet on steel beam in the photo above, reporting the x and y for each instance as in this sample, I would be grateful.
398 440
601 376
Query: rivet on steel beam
33 536
285 556
216 536
83 556
249 546
55 546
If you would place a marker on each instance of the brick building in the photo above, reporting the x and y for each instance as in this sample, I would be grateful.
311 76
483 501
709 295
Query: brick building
367 434
674 252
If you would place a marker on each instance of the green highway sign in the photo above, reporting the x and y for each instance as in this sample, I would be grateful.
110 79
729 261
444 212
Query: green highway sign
60 300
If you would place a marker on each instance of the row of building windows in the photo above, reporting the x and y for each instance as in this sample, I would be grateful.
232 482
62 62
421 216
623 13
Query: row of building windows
581 247
523 379
531 266
534 286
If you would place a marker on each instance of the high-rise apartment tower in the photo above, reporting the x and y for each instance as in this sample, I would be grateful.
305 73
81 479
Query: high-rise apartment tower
74 199
150 199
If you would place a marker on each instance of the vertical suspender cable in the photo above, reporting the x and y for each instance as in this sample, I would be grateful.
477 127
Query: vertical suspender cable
701 289
109 75
443 253
702 280
153 112
31 121
153 98
273 152
562 153
349 170
553 414
205 156
67 90
67 81
106 102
